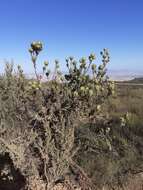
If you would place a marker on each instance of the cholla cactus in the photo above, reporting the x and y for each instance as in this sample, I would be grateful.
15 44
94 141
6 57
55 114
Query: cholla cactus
36 47
80 92
46 114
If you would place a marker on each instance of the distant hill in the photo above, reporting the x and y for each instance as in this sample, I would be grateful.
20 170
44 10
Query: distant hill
133 82
136 80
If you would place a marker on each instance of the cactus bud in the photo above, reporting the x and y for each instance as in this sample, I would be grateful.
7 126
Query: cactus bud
93 67
82 60
98 108
47 73
101 67
30 50
82 88
92 57
36 46
75 93
90 92
86 89
97 87
46 63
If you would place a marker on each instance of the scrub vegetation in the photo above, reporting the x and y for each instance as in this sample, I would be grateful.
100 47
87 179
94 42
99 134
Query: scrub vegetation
78 130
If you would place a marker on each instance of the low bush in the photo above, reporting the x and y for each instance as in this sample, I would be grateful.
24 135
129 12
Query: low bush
38 119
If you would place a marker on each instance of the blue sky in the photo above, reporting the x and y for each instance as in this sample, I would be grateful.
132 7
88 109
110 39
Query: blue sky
73 27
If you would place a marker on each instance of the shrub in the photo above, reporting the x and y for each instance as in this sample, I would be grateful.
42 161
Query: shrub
110 152
38 119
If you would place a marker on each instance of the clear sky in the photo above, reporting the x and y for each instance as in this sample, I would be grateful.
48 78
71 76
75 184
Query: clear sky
73 27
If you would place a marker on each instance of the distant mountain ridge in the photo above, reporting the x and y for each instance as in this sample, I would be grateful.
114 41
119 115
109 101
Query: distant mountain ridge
137 80
124 75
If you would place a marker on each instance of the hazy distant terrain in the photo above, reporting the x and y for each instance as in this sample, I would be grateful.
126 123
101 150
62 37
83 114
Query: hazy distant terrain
124 75
117 75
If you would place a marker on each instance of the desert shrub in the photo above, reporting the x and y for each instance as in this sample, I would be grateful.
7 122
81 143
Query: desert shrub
38 119
110 159
109 151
